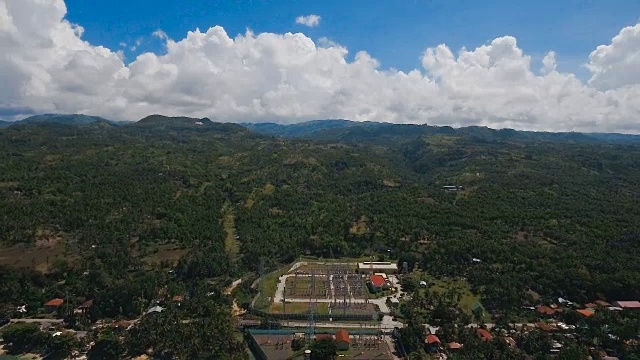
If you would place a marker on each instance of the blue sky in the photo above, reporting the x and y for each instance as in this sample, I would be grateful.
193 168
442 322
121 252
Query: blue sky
533 65
394 32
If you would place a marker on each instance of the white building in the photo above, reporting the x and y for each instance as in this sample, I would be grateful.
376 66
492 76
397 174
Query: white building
372 267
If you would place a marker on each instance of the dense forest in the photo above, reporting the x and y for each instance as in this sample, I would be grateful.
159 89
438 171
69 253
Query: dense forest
119 205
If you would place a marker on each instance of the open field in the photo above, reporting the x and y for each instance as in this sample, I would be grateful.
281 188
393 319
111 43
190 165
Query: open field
231 243
468 297
169 252
40 256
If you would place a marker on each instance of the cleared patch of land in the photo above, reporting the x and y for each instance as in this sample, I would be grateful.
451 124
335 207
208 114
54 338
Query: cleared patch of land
38 256
537 239
170 252
231 243
360 227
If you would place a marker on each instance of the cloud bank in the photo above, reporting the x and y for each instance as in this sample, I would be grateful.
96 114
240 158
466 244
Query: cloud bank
309 20
46 67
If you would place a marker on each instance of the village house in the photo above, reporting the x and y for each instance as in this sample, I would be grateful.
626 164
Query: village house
342 340
484 334
432 343
53 304
627 304
83 308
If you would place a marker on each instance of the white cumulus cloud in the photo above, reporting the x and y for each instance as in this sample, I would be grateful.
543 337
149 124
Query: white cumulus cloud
617 64
160 34
46 67
549 63
309 20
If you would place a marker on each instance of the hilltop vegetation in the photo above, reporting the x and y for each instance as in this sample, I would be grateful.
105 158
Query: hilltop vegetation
549 214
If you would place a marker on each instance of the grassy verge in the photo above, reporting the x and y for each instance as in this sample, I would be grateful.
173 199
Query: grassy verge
268 288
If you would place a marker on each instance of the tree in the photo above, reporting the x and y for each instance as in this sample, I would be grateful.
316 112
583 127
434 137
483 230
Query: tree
61 346
108 346
24 337
324 349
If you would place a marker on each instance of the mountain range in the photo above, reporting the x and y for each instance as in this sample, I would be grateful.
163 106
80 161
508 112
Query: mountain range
332 129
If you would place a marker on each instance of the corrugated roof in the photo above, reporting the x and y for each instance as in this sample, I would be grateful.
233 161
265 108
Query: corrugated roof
485 334
545 310
54 302
628 304
586 312
432 339
342 336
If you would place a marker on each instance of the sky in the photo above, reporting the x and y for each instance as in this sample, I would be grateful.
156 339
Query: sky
563 65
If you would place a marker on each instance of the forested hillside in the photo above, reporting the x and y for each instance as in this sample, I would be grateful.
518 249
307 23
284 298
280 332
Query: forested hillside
551 215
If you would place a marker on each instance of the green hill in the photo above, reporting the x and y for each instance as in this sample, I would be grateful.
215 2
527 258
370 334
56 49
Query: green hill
554 214
72 119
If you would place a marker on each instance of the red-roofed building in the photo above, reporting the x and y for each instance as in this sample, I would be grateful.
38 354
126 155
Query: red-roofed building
433 343
177 298
53 304
377 283
545 327
590 305
586 312
342 340
602 303
432 339
454 346
545 310
627 304
484 334
324 336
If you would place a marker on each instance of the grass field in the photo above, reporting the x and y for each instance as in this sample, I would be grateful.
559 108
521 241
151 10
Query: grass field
231 244
171 252
39 257
468 297
270 284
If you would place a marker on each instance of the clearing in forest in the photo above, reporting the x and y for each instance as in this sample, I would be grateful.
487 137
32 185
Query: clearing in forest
231 243
468 298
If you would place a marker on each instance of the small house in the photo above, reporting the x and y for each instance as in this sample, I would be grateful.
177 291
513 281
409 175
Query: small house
84 307
342 340
432 343
454 346
484 334
627 304
377 283
586 312
545 310
510 341
53 304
